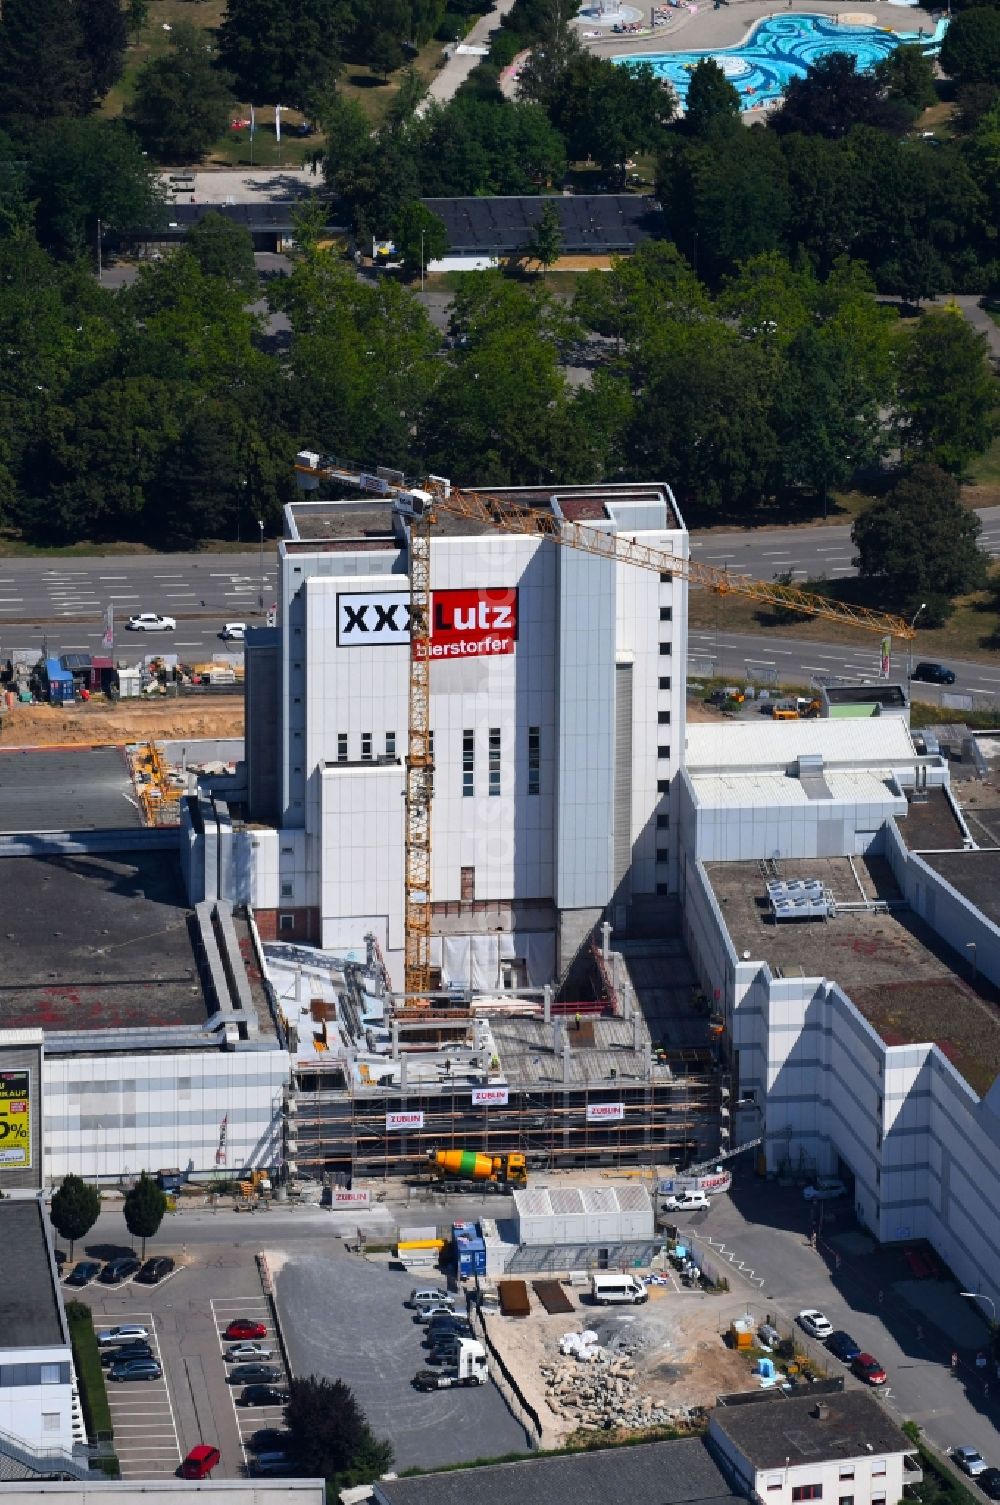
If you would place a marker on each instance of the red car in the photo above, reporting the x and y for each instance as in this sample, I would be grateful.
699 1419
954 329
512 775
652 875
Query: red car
245 1327
869 1369
200 1462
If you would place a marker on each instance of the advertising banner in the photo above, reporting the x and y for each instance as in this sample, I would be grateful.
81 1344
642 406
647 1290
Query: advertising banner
464 623
404 1121
341 1197
602 1113
489 1097
15 1120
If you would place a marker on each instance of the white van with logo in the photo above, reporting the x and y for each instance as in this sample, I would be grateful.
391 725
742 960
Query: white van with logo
613 1289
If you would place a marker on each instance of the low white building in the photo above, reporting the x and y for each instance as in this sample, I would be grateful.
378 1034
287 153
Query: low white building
840 1446
36 1363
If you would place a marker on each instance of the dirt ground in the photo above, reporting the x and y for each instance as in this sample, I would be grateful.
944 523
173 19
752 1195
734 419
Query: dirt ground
676 1340
98 723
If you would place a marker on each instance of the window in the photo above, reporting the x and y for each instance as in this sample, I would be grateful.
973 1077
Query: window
775 1481
286 890
663 889
663 751
430 743
663 854
366 747
390 744
665 650
878 1468
664 682
663 786
666 613
663 822
467 879
807 1491
341 747
468 764
846 1471
846 1500
286 922
288 851
51 1421
494 763
534 760
49 1374
663 718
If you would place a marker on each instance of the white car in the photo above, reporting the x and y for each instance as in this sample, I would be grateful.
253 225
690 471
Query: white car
234 632
242 1353
151 621
127 1333
685 1201
814 1323
825 1189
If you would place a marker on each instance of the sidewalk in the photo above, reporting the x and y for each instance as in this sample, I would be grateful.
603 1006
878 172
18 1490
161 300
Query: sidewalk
447 81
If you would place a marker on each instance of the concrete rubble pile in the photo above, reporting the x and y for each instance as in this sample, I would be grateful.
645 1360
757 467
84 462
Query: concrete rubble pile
597 1390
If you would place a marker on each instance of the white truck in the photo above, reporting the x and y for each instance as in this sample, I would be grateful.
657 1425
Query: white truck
469 1368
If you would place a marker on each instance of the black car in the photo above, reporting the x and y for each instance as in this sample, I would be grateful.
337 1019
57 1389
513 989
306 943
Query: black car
262 1395
270 1440
253 1374
117 1270
138 1350
155 1270
447 1324
83 1273
843 1346
934 674
989 1482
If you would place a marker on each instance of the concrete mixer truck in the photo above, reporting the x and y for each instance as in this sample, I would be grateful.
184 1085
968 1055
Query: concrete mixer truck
467 1170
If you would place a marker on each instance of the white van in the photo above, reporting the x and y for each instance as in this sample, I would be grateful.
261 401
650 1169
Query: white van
613 1289
686 1201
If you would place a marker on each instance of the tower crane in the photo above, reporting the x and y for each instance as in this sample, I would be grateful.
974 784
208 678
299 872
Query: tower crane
418 507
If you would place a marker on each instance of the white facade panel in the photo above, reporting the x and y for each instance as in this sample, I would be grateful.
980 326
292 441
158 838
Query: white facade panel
40 1412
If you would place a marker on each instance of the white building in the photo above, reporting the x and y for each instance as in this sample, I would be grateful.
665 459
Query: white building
36 1363
841 1446
557 713
861 1043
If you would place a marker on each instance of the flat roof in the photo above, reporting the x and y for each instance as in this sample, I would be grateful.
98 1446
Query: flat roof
679 1472
876 741
976 875
29 1305
931 823
778 790
600 1051
773 1432
97 942
892 966
589 222
66 789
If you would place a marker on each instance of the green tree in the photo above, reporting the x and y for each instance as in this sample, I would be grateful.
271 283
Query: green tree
182 102
75 1208
832 97
82 171
824 217
920 543
474 146
224 249
908 75
606 112
331 1438
136 15
42 69
104 28
144 1207
284 51
420 237
712 101
970 51
545 241
656 282
947 393
554 47
384 54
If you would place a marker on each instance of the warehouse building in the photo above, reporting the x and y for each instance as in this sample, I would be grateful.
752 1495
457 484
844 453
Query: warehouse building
840 913
557 719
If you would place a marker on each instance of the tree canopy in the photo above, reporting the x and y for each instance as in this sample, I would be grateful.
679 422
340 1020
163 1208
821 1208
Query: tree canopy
970 51
144 1207
182 101
331 1437
75 1208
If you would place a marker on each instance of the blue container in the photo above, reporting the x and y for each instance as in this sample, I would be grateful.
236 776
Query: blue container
60 682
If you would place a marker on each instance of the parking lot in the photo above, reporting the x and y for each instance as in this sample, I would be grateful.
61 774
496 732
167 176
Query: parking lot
343 1317
250 1419
142 1414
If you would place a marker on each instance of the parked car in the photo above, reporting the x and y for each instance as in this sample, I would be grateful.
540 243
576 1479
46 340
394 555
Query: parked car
200 1462
969 1460
425 1313
270 1440
155 1270
140 1349
869 1369
459 1328
825 1189
247 1352
843 1346
126 1332
234 632
117 1270
244 1327
934 674
272 1463
814 1323
686 1201
135 1369
84 1272
150 621
426 1295
253 1374
262 1395
989 1482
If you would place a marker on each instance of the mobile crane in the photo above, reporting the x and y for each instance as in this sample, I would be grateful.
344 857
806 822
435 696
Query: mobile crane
418 507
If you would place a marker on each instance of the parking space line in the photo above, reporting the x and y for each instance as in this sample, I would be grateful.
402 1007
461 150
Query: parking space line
145 1438
252 1416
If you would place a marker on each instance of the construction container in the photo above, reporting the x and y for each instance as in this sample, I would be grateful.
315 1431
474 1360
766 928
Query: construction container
608 1214
59 682
741 1332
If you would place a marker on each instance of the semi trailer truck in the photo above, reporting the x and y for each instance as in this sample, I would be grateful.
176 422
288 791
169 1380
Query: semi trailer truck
466 1168
469 1368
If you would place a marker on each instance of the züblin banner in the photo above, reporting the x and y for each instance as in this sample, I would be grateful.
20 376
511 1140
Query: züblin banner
464 623
15 1120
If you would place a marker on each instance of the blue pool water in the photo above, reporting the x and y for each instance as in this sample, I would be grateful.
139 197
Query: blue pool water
781 48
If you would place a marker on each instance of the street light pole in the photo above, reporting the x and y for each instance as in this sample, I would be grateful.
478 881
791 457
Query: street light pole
421 261
981 1296
260 598
971 946
909 641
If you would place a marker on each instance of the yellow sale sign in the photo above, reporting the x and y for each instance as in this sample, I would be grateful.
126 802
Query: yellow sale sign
15 1120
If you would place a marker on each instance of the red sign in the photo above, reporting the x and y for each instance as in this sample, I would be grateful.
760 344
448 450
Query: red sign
473 623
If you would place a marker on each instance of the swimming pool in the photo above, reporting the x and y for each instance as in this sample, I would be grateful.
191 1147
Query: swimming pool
780 48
